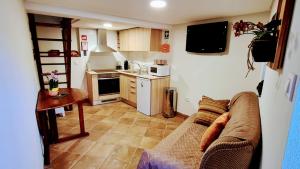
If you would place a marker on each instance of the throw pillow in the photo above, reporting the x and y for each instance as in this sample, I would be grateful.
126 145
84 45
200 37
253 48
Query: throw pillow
213 131
217 106
205 117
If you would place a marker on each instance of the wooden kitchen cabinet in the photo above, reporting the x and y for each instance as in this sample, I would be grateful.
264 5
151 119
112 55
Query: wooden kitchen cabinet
157 94
128 92
140 39
123 87
128 89
124 40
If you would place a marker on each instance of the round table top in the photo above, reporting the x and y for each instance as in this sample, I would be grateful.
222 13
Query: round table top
67 96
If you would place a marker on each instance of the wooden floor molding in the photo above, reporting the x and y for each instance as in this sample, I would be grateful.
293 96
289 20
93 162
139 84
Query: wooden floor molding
182 115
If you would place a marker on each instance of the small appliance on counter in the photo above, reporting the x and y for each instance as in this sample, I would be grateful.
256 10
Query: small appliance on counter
119 66
126 65
159 70
160 62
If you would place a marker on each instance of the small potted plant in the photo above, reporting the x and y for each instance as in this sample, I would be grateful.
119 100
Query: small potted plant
263 45
53 83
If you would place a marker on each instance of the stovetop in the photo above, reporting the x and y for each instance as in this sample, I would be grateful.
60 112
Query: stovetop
105 71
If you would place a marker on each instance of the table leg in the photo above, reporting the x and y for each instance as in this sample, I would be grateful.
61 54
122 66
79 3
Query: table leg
81 118
81 123
44 132
53 125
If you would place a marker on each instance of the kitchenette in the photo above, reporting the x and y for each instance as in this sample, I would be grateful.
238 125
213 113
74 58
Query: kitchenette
138 73
145 91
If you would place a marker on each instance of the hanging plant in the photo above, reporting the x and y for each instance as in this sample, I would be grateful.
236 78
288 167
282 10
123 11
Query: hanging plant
263 45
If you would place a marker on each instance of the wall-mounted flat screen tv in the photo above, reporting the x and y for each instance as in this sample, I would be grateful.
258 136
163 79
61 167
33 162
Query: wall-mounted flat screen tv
207 38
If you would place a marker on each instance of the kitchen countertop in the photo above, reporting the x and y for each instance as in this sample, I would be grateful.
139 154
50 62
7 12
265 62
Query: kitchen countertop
146 76
101 71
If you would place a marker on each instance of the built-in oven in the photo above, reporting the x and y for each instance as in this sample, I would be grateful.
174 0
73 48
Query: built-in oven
108 83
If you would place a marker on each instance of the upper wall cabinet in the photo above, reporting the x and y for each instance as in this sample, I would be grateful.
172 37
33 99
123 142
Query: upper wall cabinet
140 39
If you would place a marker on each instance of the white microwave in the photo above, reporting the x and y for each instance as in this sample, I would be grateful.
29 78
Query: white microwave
159 70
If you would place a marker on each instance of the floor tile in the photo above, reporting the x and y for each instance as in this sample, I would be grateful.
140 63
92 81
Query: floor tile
149 142
65 161
88 162
137 130
128 121
118 136
81 146
120 128
111 138
155 133
135 160
172 126
101 150
131 140
158 125
123 153
142 122
112 163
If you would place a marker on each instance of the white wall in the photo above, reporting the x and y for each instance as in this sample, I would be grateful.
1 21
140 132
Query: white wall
20 144
275 107
217 75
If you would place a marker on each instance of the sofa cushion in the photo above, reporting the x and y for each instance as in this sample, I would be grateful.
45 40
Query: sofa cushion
179 150
210 110
205 117
228 153
213 131
217 106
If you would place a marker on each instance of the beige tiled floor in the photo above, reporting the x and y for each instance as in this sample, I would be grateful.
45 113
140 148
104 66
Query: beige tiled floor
118 136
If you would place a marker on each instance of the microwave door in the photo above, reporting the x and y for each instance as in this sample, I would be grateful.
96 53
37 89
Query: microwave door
153 70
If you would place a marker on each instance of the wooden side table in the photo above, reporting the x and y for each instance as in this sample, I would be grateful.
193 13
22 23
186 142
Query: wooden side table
46 105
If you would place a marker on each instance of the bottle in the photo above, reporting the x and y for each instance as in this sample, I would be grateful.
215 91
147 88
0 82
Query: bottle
125 65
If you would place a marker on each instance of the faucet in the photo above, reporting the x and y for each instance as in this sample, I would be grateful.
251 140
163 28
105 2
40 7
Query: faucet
139 65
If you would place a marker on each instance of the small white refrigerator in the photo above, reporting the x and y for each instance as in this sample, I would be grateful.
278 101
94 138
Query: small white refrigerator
144 95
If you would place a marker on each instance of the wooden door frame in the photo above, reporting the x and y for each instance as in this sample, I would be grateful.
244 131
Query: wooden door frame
285 10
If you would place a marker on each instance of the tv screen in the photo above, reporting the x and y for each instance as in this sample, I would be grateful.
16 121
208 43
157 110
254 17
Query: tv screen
207 38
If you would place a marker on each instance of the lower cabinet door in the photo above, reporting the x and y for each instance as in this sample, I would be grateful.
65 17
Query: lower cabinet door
124 87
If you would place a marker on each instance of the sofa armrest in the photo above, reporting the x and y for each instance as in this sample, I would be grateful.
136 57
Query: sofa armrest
227 153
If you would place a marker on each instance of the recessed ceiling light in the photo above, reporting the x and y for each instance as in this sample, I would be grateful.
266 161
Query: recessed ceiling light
107 25
158 4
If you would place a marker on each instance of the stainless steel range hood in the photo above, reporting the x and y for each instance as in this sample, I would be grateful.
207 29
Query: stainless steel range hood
102 42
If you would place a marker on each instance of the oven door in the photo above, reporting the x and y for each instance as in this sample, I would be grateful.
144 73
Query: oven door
108 85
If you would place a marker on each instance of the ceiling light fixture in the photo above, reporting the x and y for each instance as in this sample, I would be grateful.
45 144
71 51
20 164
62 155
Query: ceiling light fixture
107 25
158 4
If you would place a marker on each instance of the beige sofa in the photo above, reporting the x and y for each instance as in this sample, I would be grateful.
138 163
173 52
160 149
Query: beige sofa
233 149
